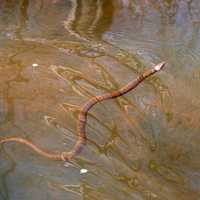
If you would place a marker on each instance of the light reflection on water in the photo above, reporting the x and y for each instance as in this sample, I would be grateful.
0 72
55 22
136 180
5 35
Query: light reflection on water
140 146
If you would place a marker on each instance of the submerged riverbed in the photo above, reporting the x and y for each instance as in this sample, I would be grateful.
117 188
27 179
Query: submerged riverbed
55 55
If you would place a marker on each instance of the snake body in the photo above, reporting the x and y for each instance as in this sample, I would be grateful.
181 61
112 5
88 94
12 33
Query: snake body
82 119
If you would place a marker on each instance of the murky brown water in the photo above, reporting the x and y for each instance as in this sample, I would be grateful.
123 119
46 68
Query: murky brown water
144 145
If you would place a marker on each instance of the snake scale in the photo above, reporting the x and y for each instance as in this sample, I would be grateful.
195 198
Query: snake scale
82 119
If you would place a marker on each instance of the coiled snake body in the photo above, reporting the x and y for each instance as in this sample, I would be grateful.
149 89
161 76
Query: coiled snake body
82 119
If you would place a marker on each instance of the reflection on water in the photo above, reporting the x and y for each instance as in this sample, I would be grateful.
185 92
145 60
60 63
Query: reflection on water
90 19
140 146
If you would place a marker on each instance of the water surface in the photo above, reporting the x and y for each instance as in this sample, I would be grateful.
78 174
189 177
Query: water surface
144 145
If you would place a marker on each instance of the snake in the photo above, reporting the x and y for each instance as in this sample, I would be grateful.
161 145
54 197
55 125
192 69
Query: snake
82 119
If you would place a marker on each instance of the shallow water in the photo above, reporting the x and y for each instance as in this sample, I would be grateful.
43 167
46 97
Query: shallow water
144 145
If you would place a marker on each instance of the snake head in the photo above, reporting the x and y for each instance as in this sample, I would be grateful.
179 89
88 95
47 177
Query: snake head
159 66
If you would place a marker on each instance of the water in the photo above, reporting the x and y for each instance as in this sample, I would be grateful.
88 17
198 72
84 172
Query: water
144 145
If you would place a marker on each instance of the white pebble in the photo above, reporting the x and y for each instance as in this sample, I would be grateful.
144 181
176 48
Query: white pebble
83 171
35 65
